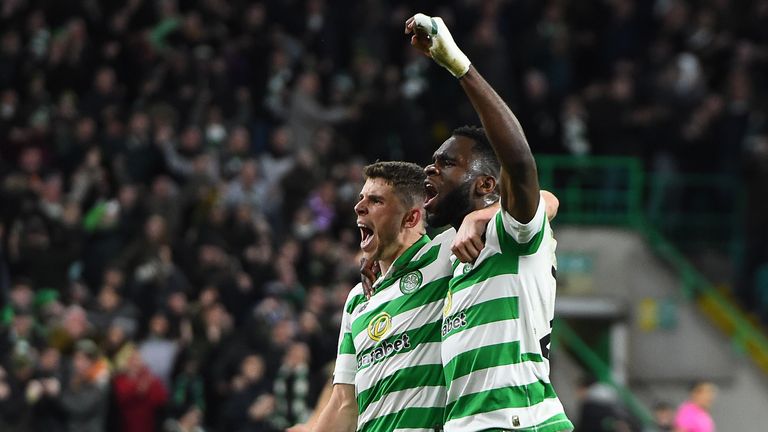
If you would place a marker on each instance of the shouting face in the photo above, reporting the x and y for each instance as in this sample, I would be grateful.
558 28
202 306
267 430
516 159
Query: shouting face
380 216
449 183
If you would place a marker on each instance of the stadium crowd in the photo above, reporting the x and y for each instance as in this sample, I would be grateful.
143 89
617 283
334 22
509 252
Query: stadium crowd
177 177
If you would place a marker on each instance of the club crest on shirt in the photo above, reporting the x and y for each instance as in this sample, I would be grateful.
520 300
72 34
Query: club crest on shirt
411 282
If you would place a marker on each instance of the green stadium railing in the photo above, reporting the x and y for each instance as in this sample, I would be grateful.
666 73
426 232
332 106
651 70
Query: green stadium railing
668 211
565 335
595 190
691 210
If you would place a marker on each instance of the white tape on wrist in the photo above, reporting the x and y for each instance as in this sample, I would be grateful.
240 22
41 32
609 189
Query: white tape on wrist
444 49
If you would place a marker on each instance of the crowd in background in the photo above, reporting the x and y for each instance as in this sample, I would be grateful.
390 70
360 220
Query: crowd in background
177 177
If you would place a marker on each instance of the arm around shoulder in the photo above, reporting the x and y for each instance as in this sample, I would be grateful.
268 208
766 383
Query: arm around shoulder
551 203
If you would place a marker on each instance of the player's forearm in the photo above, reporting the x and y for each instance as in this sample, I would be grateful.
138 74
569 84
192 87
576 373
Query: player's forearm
340 413
519 179
322 401
484 214
500 124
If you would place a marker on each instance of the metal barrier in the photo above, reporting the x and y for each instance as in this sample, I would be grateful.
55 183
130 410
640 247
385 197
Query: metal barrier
594 190
671 212
564 334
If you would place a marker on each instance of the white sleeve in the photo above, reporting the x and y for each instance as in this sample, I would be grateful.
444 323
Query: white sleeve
346 362
524 232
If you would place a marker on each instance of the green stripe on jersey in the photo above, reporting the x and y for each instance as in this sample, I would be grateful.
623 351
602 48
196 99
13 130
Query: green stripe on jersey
504 263
510 246
354 302
487 357
495 265
413 418
501 309
495 399
347 345
399 270
406 378
392 358
428 293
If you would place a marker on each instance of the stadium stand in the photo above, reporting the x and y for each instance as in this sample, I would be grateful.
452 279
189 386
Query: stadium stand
177 180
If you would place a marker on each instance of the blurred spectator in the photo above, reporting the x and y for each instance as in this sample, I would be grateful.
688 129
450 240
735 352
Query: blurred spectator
110 308
189 420
84 397
304 113
73 327
159 350
292 387
752 289
140 395
693 415
251 405
180 176
42 393
601 409
14 415
248 189
664 416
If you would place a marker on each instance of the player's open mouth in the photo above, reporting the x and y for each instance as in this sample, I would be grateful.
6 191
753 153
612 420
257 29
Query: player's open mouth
366 235
431 194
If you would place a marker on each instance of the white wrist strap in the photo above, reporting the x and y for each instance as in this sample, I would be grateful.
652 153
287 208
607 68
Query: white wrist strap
444 49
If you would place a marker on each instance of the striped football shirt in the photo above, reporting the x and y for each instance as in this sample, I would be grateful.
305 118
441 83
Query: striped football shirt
389 346
495 333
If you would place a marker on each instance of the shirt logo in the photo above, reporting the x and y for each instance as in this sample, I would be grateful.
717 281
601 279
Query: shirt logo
386 350
454 323
379 326
467 268
410 282
363 307
448 304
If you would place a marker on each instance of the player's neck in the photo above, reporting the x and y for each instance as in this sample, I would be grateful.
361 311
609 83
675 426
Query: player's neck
404 241
477 204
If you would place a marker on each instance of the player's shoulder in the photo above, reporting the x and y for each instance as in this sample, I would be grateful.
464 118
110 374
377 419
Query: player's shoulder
438 248
355 297
522 237
357 290
444 238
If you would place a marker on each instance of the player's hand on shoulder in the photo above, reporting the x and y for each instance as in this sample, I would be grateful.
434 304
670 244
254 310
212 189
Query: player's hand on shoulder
369 271
551 203
468 242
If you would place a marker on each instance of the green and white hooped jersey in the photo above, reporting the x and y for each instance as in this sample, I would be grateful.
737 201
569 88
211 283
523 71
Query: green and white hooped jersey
389 346
496 330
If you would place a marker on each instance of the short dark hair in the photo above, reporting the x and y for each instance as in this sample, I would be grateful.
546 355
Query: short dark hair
406 179
483 151
696 385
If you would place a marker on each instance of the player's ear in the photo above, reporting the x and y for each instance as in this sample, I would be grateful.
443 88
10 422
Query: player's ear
412 217
485 185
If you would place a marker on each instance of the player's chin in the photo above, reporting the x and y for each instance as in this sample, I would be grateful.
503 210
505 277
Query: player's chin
370 248
435 219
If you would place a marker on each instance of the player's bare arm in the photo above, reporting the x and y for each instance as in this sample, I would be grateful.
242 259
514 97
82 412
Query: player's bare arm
340 413
519 178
